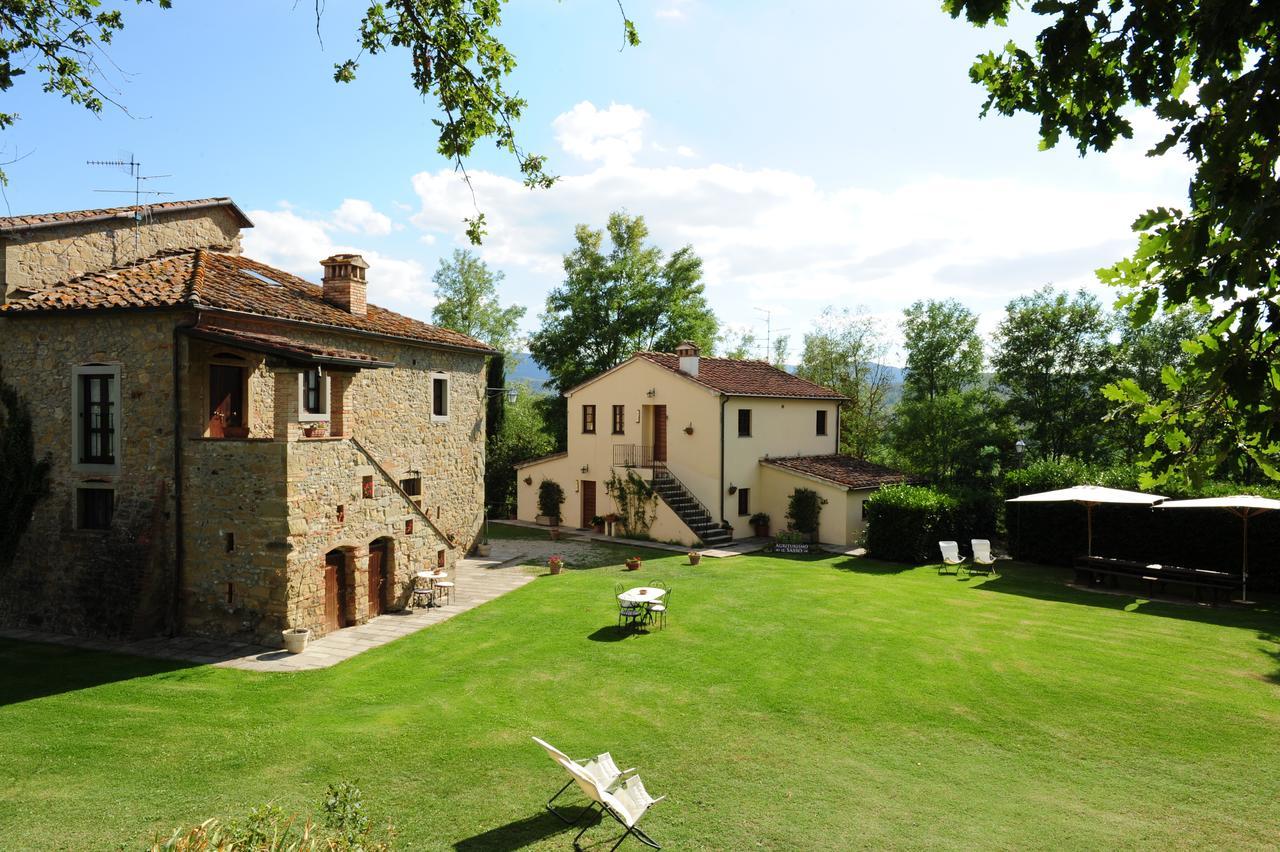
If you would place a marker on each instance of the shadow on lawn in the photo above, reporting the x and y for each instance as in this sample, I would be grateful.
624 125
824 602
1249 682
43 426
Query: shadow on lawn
616 633
522 832
1050 584
862 565
37 670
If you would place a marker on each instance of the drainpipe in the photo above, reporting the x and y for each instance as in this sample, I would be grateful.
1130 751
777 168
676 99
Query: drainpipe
723 399
176 614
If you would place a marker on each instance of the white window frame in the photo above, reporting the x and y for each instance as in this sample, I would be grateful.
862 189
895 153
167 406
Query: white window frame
75 505
305 416
448 402
77 431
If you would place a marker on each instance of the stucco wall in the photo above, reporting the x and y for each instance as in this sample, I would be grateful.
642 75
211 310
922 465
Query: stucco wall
776 488
779 428
90 581
37 258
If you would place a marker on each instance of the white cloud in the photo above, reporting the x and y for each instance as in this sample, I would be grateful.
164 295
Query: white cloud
778 238
685 151
292 242
359 217
674 10
612 136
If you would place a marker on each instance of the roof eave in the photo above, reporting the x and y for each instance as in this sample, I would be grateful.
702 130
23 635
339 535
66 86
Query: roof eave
267 348
11 230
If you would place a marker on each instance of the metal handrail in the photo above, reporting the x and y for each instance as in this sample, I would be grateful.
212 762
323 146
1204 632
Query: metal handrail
661 467
633 455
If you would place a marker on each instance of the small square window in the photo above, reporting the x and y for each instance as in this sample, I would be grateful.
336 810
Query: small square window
439 558
408 526
94 508
744 423
412 485
822 422
744 501
588 419
366 487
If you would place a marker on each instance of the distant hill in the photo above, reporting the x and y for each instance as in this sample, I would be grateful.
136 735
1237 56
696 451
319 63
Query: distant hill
526 370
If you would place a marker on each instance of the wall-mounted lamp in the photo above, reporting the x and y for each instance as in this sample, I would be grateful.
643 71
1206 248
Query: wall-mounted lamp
510 392
528 480
733 489
688 430
652 393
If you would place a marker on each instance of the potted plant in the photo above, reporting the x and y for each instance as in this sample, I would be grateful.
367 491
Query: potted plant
611 522
316 430
295 639
694 557
597 524
760 524
556 564
633 563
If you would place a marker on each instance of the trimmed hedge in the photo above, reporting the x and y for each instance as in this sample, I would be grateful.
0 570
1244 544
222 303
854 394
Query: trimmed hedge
906 522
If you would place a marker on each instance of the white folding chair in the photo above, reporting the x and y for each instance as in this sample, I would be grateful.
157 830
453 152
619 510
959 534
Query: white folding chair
950 556
627 803
983 561
600 768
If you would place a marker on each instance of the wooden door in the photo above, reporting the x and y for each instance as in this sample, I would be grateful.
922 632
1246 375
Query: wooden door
377 577
659 433
334 575
588 489
226 398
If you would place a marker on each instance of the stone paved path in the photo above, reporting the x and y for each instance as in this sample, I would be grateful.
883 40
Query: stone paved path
479 581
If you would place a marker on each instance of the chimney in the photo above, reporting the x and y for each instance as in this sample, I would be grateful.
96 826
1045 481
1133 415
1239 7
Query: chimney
688 354
344 283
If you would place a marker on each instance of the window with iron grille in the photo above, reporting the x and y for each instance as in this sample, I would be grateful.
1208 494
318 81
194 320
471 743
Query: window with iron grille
97 406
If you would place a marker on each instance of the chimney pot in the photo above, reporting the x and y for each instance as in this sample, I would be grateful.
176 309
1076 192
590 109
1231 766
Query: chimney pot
688 353
344 283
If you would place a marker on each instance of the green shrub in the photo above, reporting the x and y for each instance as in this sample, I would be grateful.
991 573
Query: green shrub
804 510
550 498
906 522
344 828
26 478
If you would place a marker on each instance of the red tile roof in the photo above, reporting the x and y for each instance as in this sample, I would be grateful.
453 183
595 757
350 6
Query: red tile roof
843 470
10 224
210 279
745 378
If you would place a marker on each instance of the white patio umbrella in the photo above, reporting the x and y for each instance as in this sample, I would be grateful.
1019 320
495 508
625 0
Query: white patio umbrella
1244 506
1090 496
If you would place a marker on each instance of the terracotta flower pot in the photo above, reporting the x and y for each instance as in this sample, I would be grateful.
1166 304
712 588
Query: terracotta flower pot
633 564
695 558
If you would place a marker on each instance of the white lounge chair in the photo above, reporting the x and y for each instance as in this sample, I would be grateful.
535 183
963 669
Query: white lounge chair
983 561
601 769
950 556
626 803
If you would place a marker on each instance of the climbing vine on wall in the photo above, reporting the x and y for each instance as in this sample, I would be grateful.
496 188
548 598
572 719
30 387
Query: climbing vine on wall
636 500
24 479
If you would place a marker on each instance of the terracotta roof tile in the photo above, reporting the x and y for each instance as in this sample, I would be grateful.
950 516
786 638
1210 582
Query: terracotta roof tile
9 224
745 378
209 279
843 470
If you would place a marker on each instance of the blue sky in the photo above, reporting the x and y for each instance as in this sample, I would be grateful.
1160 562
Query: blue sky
813 154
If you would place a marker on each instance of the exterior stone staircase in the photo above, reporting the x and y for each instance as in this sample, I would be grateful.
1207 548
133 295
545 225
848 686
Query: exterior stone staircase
689 509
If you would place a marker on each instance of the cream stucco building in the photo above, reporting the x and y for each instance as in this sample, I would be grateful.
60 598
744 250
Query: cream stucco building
717 439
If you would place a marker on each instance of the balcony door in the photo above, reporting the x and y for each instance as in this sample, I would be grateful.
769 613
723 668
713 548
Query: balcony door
659 433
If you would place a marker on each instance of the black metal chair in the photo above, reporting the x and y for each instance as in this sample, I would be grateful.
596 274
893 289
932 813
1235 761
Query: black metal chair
630 613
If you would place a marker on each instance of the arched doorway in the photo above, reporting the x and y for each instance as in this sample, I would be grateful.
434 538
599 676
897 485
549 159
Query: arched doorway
380 554
335 590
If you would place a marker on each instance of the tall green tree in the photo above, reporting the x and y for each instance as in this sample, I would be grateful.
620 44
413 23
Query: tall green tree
1052 359
1209 70
739 345
946 418
468 301
618 301
25 478
845 352
523 434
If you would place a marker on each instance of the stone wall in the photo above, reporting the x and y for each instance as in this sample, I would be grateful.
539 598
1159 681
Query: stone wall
78 581
43 256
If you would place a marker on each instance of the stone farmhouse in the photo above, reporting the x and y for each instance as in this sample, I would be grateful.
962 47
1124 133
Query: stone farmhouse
234 450
717 439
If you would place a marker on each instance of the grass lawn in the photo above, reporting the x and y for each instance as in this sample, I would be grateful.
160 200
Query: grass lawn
791 703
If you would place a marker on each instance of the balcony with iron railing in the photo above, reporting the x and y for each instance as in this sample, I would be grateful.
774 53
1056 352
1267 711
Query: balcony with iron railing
635 455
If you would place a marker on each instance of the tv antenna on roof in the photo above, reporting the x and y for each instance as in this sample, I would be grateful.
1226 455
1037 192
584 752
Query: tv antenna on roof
133 169
768 332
